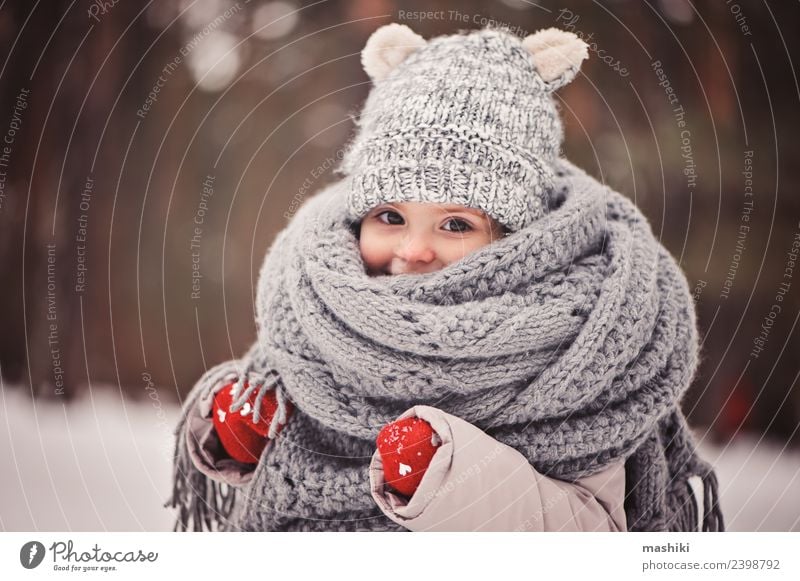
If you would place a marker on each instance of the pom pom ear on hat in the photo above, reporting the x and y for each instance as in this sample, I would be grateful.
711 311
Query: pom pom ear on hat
387 47
557 55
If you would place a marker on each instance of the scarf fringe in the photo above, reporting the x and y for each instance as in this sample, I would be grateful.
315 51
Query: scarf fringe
684 498
667 461
262 384
686 511
691 513
204 503
712 511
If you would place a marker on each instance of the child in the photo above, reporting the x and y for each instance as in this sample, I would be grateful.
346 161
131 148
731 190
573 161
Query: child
504 329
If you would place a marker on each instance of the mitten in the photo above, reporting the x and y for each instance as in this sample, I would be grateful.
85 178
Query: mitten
406 448
243 439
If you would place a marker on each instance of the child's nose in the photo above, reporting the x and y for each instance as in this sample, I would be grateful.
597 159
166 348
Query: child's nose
415 248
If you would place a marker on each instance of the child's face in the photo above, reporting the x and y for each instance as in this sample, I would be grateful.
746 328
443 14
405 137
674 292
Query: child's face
416 237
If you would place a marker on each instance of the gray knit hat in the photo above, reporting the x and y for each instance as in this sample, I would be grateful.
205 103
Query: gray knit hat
465 119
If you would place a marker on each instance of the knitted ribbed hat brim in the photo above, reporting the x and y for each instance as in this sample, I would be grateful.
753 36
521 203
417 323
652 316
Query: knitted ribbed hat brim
451 165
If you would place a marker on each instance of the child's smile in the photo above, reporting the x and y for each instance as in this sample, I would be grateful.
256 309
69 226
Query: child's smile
416 237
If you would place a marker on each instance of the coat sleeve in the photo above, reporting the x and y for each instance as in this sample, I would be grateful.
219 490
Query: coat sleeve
476 483
205 448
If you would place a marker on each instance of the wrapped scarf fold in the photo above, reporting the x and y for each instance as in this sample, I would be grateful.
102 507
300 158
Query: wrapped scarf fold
572 341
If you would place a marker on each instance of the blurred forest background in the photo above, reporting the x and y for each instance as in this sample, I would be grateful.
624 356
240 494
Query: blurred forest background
152 150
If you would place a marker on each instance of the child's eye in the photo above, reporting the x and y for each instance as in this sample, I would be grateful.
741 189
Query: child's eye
390 214
460 225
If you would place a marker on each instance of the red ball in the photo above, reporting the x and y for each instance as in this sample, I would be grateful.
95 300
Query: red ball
406 448
243 439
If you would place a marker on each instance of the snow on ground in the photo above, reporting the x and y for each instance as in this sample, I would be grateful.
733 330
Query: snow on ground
104 463
759 483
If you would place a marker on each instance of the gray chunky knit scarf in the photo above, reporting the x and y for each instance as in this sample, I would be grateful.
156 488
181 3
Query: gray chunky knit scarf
571 340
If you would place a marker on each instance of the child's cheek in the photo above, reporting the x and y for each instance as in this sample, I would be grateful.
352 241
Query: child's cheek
375 250
457 249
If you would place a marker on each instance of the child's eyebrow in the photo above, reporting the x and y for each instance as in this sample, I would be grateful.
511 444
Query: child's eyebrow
475 211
